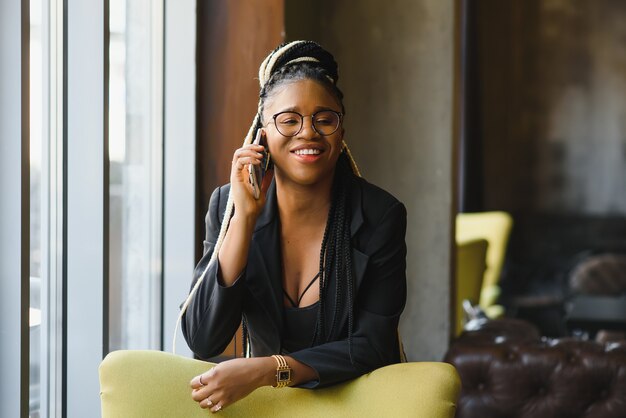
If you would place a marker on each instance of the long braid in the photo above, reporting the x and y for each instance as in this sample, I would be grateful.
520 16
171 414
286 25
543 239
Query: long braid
244 337
339 217
220 238
293 61
344 251
336 250
325 265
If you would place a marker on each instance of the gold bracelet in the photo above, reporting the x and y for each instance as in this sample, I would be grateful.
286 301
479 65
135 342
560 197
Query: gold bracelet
283 372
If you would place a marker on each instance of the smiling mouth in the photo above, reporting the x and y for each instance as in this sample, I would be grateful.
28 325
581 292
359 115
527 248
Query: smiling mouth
307 151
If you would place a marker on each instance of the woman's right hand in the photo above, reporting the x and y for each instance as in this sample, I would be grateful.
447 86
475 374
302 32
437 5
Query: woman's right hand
243 194
233 254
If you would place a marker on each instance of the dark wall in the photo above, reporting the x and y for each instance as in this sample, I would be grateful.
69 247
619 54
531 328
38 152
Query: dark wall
233 39
552 105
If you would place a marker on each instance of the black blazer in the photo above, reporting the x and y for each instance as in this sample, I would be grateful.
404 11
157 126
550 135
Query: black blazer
378 228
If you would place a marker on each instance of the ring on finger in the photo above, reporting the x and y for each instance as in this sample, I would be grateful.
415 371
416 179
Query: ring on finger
209 403
200 379
217 408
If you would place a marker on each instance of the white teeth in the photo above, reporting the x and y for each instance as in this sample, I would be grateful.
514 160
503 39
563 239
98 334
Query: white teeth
307 152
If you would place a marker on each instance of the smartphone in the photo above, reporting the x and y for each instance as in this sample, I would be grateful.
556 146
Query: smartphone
257 172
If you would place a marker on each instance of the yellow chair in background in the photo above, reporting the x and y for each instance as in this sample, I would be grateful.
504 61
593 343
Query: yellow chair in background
470 269
152 384
495 227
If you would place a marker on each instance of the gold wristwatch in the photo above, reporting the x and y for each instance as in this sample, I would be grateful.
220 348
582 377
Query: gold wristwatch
283 372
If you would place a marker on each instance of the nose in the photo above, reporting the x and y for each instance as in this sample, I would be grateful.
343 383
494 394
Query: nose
308 130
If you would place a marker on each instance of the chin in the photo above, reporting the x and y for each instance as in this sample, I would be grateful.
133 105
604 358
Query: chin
306 177
308 180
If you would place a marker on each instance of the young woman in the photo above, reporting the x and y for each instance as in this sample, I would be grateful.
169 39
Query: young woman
315 267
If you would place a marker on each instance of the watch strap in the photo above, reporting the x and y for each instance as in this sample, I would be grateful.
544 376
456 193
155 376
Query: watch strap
283 371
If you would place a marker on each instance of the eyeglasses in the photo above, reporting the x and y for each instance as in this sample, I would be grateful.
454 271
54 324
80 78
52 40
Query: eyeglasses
324 122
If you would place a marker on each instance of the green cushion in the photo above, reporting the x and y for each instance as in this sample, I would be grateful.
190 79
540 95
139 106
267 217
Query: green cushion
141 384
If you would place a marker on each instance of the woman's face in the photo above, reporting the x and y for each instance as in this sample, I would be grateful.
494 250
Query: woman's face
308 157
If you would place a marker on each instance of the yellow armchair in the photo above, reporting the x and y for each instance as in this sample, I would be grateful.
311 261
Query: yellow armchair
495 227
470 269
151 384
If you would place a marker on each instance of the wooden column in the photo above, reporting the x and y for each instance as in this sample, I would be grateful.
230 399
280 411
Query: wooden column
233 40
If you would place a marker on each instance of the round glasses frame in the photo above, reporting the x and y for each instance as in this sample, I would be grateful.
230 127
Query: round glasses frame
339 119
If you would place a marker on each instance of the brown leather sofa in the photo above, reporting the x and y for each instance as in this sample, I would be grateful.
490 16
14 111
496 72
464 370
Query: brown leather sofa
508 370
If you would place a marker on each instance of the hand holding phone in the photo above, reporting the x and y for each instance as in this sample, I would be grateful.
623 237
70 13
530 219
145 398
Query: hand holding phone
257 172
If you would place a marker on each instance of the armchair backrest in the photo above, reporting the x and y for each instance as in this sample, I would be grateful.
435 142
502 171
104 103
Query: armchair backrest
495 227
470 268
140 384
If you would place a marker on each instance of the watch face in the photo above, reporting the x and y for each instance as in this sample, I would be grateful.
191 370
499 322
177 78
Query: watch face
283 375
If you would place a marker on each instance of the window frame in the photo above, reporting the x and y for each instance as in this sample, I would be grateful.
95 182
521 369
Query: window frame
14 206
75 195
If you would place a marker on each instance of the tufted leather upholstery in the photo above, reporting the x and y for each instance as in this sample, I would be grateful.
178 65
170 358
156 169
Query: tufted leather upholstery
507 370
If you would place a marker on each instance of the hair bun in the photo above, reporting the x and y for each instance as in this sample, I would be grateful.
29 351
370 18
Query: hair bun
297 51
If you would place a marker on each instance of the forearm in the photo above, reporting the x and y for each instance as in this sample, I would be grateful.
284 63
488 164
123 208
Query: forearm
300 372
235 379
233 254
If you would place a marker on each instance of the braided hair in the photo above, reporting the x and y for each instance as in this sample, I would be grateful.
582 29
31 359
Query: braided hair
294 61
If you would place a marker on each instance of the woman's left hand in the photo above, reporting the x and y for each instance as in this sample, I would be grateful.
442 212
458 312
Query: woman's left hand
230 381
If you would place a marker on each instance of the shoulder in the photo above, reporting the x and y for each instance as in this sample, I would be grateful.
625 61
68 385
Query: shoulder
376 203
217 203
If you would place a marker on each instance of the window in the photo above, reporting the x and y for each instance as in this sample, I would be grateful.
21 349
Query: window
37 38
135 183
45 304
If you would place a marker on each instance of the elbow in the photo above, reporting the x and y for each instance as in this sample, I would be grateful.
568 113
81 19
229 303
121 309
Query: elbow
201 344
203 348
202 353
